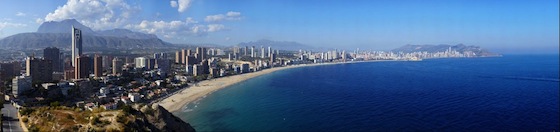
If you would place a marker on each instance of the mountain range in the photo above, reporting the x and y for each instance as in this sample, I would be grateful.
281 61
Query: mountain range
58 34
443 47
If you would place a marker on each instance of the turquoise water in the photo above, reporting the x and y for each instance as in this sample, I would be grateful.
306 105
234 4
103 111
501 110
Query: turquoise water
510 93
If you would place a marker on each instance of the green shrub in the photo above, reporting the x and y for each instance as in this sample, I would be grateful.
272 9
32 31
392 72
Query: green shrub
55 104
26 111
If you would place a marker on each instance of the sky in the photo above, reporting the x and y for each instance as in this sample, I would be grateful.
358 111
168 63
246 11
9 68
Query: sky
507 26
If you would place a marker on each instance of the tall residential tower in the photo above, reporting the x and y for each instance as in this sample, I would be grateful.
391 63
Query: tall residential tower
76 44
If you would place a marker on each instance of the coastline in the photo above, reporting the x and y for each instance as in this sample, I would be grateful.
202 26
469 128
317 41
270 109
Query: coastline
192 93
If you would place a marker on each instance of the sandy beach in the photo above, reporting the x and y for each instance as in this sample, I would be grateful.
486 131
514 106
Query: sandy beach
192 93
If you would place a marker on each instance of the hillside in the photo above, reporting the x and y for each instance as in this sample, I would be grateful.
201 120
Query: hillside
58 34
73 119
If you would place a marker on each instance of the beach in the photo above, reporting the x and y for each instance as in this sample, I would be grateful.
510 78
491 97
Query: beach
194 92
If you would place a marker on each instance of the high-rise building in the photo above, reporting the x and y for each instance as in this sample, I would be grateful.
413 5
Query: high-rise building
183 54
178 57
245 68
53 54
40 70
196 70
159 55
253 51
205 67
191 60
150 63
262 52
269 51
201 53
189 69
272 59
214 72
98 66
163 65
117 66
107 61
76 44
6 71
141 62
21 84
81 70
245 51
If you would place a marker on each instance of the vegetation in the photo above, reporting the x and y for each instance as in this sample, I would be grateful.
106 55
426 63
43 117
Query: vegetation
55 104
70 119
26 111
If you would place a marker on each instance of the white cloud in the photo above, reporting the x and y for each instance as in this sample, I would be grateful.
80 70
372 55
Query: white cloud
110 14
99 15
215 27
184 5
221 17
4 25
20 14
9 24
233 14
191 20
39 20
173 3
176 29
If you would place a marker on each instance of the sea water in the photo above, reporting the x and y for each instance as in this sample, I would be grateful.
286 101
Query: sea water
509 93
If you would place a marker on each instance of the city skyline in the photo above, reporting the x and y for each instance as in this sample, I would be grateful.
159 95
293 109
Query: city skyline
515 26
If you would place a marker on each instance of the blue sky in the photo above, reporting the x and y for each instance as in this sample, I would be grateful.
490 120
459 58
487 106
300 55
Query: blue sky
500 25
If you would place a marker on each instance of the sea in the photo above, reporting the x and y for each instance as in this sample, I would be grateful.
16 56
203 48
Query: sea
509 93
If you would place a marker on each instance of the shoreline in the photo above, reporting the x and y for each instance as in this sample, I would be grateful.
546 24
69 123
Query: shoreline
195 92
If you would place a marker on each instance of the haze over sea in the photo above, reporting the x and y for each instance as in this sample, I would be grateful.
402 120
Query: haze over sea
509 93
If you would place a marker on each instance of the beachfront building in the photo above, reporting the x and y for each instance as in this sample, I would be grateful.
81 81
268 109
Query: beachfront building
245 68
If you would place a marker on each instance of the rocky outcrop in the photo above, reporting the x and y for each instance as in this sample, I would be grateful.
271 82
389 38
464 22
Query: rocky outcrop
157 118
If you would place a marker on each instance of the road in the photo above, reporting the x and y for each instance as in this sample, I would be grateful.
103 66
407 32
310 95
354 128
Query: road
10 121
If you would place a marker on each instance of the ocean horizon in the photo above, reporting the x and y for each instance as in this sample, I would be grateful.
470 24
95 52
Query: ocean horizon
509 93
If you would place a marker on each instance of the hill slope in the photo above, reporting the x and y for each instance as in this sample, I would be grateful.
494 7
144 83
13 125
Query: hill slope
58 34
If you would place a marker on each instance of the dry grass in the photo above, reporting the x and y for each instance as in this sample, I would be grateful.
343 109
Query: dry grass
67 119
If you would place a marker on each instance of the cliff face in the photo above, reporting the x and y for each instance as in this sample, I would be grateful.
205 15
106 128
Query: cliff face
158 119
165 121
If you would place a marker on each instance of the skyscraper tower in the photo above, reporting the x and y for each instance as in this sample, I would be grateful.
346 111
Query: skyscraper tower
117 66
262 52
98 66
245 51
53 54
253 51
76 44
183 54
269 51
81 70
